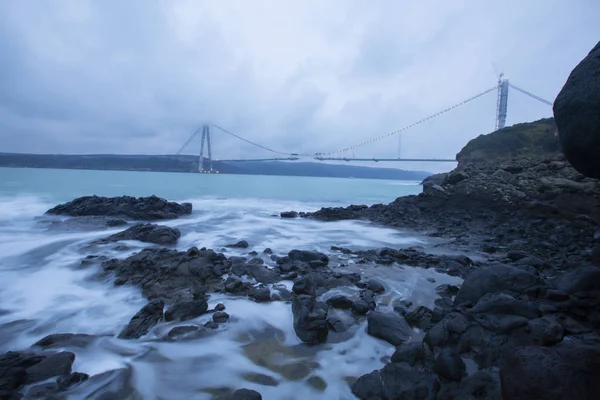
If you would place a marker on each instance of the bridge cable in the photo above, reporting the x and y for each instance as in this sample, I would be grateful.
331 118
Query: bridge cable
317 155
251 142
530 94
192 136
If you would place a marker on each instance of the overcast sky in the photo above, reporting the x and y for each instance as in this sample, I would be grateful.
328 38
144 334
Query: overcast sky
137 76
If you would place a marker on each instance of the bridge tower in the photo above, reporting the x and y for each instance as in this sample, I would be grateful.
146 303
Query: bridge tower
502 104
202 162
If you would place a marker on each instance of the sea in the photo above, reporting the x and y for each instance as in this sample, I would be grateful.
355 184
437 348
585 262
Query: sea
44 289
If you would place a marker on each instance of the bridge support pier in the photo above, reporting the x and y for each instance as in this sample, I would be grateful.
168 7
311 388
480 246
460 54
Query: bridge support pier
502 104
205 165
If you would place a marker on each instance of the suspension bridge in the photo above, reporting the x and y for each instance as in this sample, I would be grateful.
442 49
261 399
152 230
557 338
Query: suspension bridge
205 162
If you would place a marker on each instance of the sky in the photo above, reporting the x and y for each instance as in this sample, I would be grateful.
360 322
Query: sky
310 76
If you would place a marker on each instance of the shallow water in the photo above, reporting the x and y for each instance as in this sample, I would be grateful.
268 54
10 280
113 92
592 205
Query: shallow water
44 289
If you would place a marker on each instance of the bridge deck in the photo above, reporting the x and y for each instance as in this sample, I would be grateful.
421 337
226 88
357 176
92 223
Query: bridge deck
386 159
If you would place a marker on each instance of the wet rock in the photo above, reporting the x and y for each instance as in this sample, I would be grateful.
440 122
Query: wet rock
260 294
449 365
501 303
360 307
186 332
150 233
375 286
308 256
420 317
336 324
483 384
233 284
412 353
74 378
261 379
43 391
340 301
388 326
169 274
289 214
494 279
545 331
396 381
6 395
577 115
141 208
568 370
211 325
268 251
143 320
242 244
54 365
186 310
66 340
220 317
582 279
310 319
263 274
220 307
245 394
12 378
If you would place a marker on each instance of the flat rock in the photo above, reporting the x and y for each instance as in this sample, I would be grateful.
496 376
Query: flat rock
388 326
141 208
66 340
308 256
54 365
186 310
150 233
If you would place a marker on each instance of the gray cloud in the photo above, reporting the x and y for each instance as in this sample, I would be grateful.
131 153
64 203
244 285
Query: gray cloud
89 76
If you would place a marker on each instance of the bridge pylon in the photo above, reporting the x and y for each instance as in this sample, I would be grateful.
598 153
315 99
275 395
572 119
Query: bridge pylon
502 104
205 164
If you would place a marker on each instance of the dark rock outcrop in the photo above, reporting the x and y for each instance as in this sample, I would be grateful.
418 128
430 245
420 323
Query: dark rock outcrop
66 340
308 256
150 233
54 365
143 320
310 319
569 370
396 381
141 208
577 113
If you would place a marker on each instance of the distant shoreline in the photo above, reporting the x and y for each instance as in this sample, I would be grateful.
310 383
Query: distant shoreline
189 164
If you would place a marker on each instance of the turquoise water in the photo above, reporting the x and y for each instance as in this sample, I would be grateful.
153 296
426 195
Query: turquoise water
62 185
45 290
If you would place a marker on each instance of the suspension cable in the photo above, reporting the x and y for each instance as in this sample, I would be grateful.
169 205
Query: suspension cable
533 96
192 136
251 142
413 124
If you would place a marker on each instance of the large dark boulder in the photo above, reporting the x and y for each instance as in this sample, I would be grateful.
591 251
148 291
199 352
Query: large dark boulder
151 233
143 320
494 279
577 115
388 326
310 319
140 208
568 370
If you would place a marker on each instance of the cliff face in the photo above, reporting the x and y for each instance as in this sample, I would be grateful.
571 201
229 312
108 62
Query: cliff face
535 139
516 166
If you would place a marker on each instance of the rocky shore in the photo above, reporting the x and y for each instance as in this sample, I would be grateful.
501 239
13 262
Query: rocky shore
515 220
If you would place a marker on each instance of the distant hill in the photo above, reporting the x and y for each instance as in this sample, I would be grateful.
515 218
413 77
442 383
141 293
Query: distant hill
184 163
